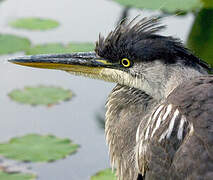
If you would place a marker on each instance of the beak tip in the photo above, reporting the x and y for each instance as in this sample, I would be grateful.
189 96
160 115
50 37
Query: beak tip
12 60
18 59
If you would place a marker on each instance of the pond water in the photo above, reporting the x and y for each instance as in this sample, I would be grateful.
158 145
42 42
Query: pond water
80 21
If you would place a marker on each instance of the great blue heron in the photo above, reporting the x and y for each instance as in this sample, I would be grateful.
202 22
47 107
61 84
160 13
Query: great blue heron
159 119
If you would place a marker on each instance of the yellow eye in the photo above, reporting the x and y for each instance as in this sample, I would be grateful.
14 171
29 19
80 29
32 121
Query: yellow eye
126 62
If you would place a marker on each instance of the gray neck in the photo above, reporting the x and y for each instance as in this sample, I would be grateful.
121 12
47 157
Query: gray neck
179 75
159 80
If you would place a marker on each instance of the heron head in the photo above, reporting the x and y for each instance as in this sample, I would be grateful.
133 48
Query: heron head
133 54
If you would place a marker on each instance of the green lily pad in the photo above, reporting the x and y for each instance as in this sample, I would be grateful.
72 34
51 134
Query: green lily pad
41 95
16 176
81 47
37 148
10 43
48 49
165 5
200 39
106 174
34 24
60 48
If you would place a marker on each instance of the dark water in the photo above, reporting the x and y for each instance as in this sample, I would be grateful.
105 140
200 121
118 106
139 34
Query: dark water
80 21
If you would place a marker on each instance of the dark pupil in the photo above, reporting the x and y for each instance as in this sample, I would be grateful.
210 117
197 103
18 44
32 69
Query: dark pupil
125 62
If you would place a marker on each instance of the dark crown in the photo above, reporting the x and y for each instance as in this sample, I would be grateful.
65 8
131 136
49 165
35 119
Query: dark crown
138 41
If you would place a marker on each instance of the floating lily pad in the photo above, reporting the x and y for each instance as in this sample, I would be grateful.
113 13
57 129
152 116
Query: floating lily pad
201 36
81 47
165 5
106 174
41 95
16 176
60 48
34 24
37 148
48 49
11 43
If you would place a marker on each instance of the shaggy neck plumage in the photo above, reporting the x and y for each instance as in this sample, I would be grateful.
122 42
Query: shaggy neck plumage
128 106
125 107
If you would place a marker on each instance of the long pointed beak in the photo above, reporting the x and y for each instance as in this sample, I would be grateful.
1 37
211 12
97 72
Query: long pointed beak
88 62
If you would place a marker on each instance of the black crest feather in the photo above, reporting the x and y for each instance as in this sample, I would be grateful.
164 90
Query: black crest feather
138 41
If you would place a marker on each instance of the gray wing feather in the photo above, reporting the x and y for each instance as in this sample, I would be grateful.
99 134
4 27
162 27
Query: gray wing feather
181 145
